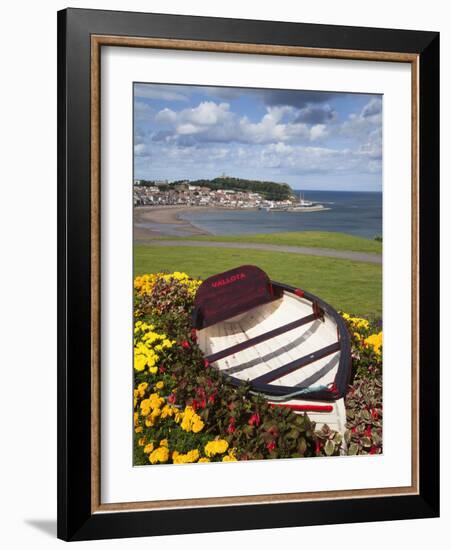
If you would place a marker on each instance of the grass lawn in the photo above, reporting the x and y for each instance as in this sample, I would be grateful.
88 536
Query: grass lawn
316 239
354 287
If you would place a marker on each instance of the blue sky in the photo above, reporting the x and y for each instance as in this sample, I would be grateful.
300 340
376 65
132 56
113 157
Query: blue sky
308 139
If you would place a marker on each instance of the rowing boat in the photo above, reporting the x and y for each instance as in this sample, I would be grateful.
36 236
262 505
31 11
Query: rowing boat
287 344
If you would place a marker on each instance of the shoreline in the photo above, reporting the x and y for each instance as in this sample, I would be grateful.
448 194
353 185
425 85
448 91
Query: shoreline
150 221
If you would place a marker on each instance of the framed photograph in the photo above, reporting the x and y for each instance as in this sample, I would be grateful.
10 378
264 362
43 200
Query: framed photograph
248 274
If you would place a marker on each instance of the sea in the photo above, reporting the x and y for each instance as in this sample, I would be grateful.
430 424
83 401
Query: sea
355 213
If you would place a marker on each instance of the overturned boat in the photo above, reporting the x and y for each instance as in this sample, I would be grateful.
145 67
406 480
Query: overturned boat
289 345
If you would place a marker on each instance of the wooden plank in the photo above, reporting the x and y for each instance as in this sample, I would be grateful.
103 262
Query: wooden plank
261 338
297 364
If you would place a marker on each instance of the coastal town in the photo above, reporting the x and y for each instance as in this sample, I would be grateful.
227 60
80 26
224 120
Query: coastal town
184 193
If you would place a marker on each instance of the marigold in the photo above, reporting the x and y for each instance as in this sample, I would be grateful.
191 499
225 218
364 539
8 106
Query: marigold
142 388
375 341
187 458
216 447
190 421
229 458
159 455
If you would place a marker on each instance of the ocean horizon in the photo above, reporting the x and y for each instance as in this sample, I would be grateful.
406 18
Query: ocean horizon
354 212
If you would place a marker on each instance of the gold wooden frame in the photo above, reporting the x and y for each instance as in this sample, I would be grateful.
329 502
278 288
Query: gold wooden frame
97 41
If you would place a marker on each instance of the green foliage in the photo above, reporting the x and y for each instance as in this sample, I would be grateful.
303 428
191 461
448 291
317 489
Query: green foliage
268 189
364 396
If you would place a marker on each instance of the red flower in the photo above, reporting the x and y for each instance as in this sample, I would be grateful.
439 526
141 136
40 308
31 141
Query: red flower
373 450
374 414
206 363
353 429
185 344
171 398
271 445
162 369
231 427
273 431
193 335
212 398
200 392
318 446
254 420
368 431
199 404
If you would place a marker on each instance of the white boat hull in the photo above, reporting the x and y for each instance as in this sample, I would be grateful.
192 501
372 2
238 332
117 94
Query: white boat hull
266 356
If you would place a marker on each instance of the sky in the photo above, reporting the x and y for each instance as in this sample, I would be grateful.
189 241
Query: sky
315 140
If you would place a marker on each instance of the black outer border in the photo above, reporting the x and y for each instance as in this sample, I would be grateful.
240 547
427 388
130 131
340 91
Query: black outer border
344 368
75 521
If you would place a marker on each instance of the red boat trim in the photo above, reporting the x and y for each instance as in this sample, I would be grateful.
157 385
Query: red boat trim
304 408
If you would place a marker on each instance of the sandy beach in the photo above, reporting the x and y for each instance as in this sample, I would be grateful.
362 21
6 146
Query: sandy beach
164 221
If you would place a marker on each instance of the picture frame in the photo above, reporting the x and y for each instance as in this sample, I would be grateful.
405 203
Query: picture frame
81 36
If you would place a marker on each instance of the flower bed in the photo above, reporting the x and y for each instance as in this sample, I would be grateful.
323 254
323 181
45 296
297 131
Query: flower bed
185 411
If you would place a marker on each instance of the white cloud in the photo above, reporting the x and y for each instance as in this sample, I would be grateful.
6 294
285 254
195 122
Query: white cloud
166 116
213 122
374 107
140 149
318 131
188 128
207 113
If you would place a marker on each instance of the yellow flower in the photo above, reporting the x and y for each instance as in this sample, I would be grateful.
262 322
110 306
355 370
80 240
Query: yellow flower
375 341
190 421
148 448
204 459
187 458
139 429
159 455
141 441
159 385
145 407
229 458
197 425
216 447
139 363
164 443
168 411
356 322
